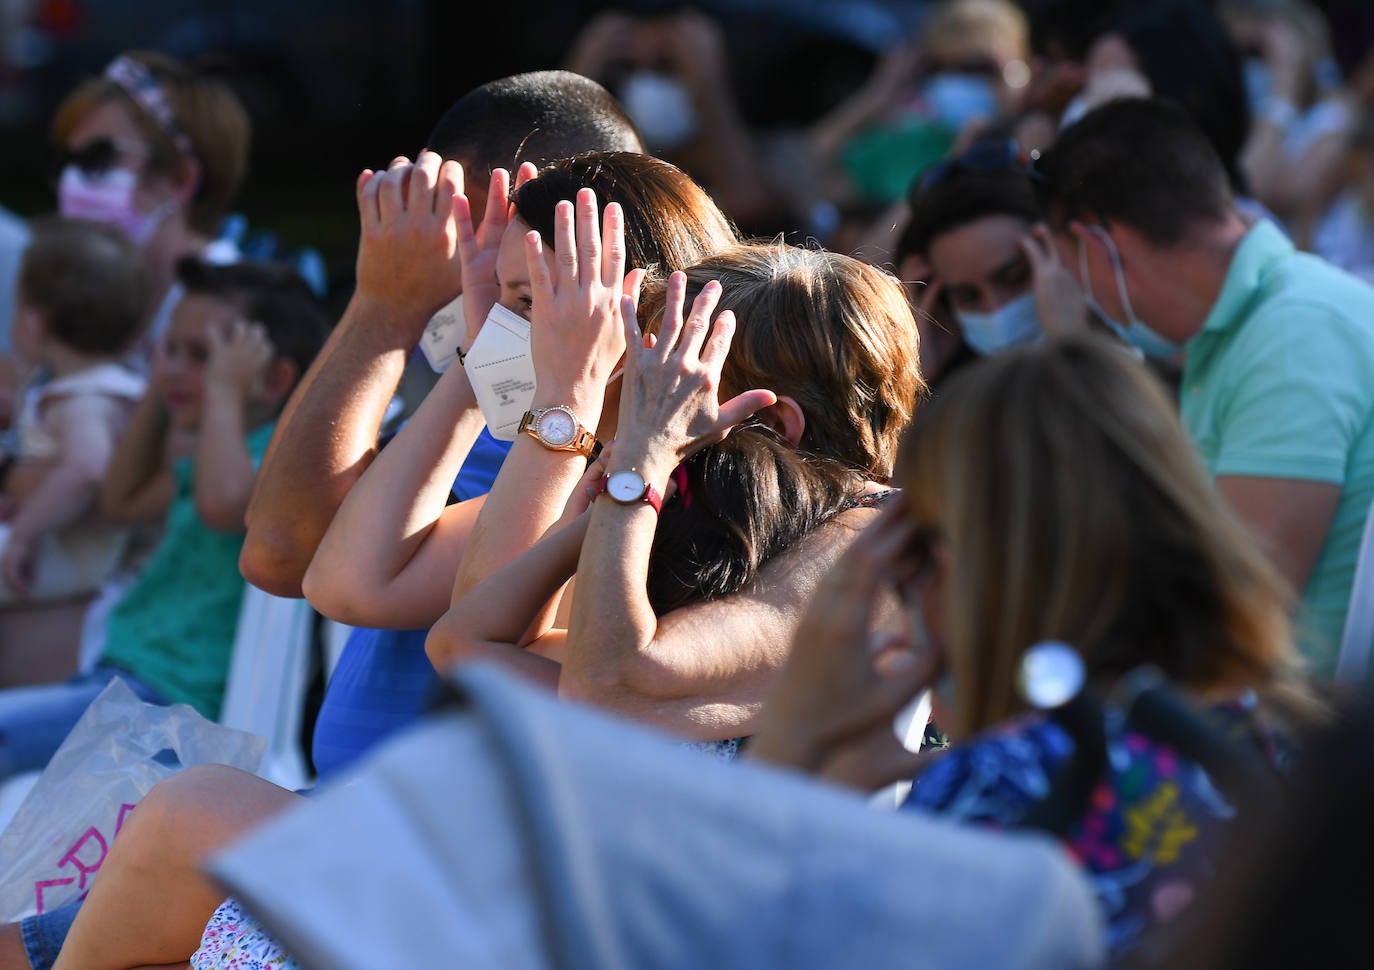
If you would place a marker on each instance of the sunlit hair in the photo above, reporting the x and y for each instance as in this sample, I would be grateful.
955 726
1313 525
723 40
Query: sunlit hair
207 110
670 221
960 26
1074 508
829 331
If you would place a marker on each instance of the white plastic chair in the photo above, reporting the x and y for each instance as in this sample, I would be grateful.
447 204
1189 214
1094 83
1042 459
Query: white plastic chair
1352 667
268 678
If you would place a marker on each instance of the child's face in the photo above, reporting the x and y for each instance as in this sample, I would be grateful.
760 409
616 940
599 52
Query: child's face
178 371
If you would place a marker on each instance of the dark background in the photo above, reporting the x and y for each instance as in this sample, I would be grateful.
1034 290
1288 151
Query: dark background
335 86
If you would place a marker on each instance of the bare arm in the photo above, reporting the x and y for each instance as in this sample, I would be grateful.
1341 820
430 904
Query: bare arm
700 671
390 555
576 340
327 435
492 622
389 558
138 486
86 427
1290 518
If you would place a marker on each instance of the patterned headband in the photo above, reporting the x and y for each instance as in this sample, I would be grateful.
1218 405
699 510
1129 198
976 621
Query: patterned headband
140 84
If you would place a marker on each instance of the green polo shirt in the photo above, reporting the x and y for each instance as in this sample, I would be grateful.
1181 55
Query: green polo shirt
1279 383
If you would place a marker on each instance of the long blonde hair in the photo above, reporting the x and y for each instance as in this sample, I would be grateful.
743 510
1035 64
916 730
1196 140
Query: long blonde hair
1075 509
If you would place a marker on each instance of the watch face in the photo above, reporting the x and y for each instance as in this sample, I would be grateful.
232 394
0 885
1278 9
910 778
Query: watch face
557 427
626 487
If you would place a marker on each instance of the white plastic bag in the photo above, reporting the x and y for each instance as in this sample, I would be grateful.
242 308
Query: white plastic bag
117 752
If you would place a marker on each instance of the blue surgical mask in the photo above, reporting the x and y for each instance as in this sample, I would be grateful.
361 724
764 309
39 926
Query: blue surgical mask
956 99
1133 331
1014 323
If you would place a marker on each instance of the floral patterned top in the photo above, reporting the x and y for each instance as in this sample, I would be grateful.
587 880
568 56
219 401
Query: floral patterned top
1155 824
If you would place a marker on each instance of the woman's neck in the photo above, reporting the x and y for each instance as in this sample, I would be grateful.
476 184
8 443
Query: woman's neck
173 241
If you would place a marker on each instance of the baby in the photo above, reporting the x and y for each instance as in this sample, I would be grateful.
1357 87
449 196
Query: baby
80 302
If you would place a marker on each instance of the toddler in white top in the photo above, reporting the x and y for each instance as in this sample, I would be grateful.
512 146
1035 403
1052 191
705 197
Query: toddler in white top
80 302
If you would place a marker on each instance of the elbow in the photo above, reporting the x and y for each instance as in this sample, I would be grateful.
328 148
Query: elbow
452 640
340 591
609 683
443 649
273 563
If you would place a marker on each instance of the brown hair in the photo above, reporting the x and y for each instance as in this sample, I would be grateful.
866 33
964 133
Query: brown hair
211 115
829 331
670 221
88 281
1075 509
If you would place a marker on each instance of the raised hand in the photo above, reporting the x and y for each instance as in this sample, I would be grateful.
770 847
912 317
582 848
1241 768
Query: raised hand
576 335
836 698
1059 301
239 355
408 260
478 249
670 406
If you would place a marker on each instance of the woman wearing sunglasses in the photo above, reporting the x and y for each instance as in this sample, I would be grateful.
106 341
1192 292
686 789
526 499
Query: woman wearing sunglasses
1050 494
158 150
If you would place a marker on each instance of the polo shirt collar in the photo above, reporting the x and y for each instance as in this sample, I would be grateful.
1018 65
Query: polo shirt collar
1264 245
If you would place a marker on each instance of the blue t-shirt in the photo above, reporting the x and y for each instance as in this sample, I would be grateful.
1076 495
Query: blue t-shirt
383 680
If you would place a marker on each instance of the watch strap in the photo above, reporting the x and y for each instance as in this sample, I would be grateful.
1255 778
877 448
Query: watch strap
583 441
651 497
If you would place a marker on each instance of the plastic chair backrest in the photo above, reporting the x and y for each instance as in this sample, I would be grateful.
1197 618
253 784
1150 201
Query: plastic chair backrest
1352 666
268 679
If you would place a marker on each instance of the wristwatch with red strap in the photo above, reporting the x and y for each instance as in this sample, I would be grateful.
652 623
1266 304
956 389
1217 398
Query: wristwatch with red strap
628 487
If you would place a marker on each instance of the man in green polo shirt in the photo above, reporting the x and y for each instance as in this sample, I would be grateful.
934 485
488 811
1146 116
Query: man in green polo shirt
1277 345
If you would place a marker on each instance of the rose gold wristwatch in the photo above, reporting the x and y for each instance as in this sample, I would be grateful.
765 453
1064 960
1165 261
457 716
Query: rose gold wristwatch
559 429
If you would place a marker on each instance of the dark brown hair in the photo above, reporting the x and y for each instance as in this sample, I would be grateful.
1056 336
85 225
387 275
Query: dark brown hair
670 221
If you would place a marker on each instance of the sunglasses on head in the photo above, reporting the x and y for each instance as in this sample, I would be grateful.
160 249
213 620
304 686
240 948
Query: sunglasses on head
99 156
992 155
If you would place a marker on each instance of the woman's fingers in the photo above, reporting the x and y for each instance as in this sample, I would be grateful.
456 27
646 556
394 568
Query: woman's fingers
588 238
741 408
671 325
716 349
613 247
541 282
631 285
565 244
698 323
634 337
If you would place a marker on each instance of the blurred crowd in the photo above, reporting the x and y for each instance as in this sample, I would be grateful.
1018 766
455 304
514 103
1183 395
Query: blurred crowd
988 433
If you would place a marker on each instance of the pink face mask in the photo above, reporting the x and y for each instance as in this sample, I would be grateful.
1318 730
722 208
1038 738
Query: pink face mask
108 198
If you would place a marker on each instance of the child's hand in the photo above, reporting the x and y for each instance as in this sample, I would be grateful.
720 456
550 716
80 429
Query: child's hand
239 355
16 565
